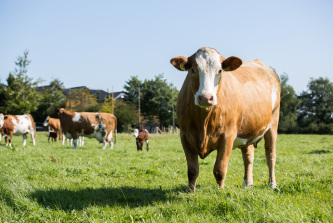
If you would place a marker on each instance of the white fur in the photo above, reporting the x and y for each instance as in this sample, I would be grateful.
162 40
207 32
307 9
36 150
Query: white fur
76 118
46 121
209 64
2 119
274 97
136 133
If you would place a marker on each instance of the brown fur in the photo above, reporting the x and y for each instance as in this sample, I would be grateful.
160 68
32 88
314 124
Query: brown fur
87 119
142 137
244 110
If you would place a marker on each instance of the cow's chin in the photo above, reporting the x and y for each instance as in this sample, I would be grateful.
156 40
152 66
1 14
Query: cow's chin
205 106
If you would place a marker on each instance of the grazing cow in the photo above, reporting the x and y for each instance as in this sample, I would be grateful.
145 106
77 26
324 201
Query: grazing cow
53 136
224 105
54 123
141 136
89 124
17 125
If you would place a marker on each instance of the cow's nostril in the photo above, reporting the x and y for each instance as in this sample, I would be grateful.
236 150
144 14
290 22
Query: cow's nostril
211 99
200 99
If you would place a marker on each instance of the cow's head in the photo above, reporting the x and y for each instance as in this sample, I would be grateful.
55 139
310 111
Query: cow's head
206 67
2 120
46 122
136 133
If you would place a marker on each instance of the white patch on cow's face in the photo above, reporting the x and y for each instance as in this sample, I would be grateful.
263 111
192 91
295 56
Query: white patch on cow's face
46 121
274 97
76 118
209 67
2 120
136 133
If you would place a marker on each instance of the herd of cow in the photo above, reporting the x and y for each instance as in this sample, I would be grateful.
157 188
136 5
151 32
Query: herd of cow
223 104
70 125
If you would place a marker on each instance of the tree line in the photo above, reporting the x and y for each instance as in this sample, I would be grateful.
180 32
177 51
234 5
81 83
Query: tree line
307 112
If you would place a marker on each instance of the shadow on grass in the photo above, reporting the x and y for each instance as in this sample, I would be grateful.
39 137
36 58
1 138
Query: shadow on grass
69 200
319 151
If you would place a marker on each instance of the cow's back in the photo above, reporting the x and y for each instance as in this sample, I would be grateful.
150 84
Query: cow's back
257 96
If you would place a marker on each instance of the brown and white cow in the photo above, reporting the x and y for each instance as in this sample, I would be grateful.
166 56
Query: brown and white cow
54 124
17 125
224 104
141 136
89 124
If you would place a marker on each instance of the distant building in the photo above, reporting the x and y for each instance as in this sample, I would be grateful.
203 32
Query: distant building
100 94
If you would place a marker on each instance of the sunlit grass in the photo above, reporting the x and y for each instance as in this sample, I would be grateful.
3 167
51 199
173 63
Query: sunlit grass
51 183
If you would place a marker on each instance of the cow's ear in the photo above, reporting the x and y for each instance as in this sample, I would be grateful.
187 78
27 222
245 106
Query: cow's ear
231 63
181 63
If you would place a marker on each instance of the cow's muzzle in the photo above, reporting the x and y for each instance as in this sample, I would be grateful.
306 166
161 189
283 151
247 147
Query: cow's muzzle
205 100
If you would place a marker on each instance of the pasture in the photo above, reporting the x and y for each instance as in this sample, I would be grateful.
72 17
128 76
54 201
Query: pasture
54 183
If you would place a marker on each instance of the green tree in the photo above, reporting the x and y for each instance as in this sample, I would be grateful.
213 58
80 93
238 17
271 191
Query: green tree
51 98
159 97
126 115
81 100
288 107
316 106
20 96
132 90
108 105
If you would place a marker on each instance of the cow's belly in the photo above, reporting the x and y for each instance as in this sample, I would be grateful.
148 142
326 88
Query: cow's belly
100 136
19 130
244 142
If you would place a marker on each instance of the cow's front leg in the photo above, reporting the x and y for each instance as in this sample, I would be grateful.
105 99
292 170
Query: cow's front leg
222 159
192 169
6 140
248 157
75 143
192 165
147 145
10 139
104 144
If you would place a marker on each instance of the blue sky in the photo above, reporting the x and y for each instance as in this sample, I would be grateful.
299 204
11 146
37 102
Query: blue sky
101 44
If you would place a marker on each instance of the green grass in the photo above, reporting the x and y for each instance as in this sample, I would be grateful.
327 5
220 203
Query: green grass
54 183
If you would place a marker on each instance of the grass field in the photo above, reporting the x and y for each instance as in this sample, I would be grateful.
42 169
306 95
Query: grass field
54 183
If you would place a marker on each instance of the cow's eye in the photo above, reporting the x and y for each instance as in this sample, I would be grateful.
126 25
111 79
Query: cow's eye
192 70
220 71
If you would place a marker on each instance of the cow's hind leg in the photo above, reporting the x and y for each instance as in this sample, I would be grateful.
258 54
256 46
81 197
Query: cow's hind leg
24 139
147 141
248 157
32 134
6 140
270 151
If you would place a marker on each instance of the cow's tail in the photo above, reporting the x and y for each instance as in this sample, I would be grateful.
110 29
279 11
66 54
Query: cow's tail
32 122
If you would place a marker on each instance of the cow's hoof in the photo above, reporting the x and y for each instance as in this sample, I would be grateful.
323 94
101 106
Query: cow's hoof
247 184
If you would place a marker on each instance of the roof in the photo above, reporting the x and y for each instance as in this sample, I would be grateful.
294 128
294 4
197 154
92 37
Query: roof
100 94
